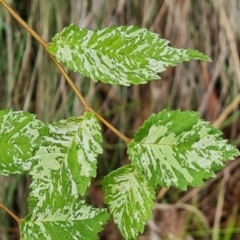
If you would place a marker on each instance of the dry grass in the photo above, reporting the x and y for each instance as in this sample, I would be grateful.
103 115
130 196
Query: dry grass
29 81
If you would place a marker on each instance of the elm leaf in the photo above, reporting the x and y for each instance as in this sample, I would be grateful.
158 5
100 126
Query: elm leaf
63 165
75 221
178 149
19 140
130 200
117 55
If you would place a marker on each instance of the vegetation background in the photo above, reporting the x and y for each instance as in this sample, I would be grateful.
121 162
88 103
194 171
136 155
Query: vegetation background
29 81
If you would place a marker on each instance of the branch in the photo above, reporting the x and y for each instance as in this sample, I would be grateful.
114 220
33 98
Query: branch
16 218
63 72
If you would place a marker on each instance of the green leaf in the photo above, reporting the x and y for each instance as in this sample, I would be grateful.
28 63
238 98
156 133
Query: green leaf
130 200
75 221
83 151
65 162
51 187
178 149
117 55
19 139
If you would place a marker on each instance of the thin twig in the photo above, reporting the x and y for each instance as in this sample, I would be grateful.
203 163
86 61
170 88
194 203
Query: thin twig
16 218
105 122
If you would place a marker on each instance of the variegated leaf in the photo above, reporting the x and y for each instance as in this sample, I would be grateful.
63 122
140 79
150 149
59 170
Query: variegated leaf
65 162
117 55
130 200
51 187
178 149
19 139
75 220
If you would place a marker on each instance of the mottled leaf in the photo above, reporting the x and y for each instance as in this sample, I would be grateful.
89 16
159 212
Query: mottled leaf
86 146
75 220
19 139
178 149
117 55
130 200
65 162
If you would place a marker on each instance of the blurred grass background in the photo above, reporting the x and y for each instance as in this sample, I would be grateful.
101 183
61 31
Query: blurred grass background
29 81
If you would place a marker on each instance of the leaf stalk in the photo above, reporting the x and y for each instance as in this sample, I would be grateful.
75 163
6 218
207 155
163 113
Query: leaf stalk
15 217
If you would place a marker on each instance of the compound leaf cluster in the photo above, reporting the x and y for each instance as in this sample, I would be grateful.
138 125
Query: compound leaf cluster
171 148
62 158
